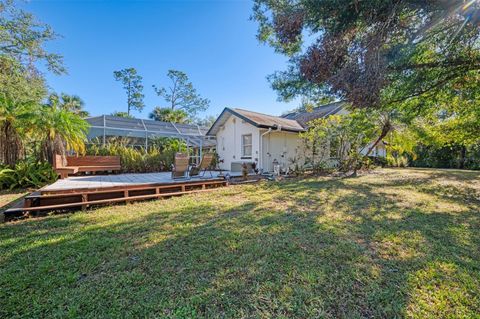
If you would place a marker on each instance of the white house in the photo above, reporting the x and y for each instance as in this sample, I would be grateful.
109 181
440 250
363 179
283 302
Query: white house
251 137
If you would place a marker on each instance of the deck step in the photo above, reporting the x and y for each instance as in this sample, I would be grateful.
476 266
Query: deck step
13 211
34 194
38 202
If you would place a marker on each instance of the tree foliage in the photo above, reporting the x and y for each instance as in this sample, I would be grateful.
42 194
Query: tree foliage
23 39
22 86
343 137
455 120
122 114
401 146
20 92
132 84
166 114
372 53
207 121
25 121
71 103
181 95
443 135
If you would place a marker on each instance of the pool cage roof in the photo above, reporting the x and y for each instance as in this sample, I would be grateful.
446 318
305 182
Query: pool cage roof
106 125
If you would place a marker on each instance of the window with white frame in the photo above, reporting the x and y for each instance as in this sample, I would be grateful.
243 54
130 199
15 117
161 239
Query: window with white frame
247 145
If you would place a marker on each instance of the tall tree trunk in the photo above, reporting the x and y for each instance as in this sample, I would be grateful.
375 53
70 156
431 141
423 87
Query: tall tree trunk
51 147
11 146
386 128
463 157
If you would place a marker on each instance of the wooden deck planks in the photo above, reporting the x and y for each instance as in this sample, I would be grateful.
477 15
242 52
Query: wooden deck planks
105 181
82 192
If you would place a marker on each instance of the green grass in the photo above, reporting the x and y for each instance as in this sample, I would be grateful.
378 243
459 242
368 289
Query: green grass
393 243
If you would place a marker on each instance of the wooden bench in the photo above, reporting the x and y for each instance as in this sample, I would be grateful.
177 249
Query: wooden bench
77 164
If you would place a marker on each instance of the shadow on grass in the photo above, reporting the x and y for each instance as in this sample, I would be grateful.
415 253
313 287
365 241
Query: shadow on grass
311 248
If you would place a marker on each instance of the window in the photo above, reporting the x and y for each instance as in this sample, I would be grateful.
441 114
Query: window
247 145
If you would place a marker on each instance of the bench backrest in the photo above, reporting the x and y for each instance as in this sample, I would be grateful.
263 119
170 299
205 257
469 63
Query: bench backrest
93 160
58 161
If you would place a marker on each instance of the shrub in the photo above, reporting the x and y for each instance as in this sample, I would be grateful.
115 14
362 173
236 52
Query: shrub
397 161
448 156
159 156
27 174
378 161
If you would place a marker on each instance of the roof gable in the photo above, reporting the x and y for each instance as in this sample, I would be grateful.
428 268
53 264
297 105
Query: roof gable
256 119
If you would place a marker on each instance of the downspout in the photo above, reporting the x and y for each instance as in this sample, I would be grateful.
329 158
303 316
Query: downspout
261 146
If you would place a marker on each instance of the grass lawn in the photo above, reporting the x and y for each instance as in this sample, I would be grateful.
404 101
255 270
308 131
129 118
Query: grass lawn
8 198
393 243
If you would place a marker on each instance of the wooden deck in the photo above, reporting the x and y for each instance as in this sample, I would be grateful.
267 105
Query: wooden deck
97 182
85 191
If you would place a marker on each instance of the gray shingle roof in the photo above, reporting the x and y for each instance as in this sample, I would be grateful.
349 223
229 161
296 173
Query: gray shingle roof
318 112
293 122
270 120
256 119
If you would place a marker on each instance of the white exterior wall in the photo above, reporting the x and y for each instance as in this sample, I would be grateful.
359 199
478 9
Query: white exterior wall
229 142
281 146
378 151
381 150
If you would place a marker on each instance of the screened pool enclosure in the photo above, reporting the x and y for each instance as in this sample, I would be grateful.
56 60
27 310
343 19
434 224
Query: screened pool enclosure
141 133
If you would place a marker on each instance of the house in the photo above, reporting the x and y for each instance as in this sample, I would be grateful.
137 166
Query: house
251 137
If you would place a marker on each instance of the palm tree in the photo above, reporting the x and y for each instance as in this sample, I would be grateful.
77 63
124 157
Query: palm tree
122 114
20 94
72 103
61 131
11 146
165 114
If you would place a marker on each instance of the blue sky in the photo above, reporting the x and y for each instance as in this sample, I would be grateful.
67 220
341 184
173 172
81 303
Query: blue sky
212 41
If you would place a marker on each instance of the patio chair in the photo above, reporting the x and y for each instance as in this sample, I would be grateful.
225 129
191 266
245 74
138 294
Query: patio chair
204 165
180 166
